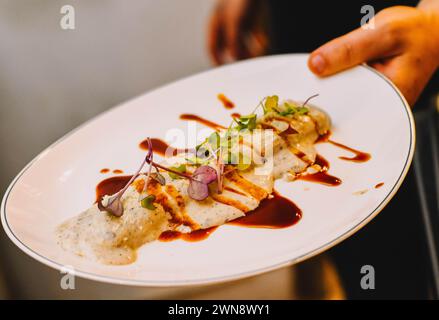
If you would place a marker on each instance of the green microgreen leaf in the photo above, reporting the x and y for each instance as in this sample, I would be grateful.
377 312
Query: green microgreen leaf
271 103
214 140
148 201
291 109
246 122
181 168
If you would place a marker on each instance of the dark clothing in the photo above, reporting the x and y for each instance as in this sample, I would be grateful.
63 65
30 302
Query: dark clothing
302 26
394 242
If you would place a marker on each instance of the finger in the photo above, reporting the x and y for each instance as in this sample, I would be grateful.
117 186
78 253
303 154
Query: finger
356 47
257 44
231 31
215 38
235 43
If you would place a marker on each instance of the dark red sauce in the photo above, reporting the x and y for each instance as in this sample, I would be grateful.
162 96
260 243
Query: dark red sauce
275 213
207 123
290 130
226 101
193 236
322 176
111 186
161 147
324 138
359 156
117 171
322 162
379 185
236 115
104 170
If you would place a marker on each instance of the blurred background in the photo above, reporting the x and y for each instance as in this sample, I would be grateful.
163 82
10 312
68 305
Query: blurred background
52 80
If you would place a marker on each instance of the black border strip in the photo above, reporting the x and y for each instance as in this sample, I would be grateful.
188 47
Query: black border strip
326 246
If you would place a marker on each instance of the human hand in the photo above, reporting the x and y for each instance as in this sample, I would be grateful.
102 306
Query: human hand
237 30
404 46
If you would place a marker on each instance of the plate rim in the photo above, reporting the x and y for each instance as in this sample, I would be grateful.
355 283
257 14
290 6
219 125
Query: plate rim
210 280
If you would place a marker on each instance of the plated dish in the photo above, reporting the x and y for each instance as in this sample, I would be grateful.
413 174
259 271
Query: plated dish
346 179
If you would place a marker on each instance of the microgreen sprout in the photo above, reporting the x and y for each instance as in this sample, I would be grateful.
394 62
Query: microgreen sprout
307 100
114 204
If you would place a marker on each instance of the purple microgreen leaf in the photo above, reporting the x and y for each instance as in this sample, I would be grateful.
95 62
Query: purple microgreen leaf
114 206
202 176
205 174
198 190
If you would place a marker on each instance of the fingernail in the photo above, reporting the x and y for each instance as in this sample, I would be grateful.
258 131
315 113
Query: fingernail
318 63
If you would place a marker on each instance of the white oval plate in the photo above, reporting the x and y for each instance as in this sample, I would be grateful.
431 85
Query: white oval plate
368 113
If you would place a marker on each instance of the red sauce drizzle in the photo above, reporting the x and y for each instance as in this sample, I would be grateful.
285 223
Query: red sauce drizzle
360 156
322 162
207 123
289 131
193 236
117 171
104 170
161 147
225 101
274 213
379 185
324 138
236 115
110 186
322 176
